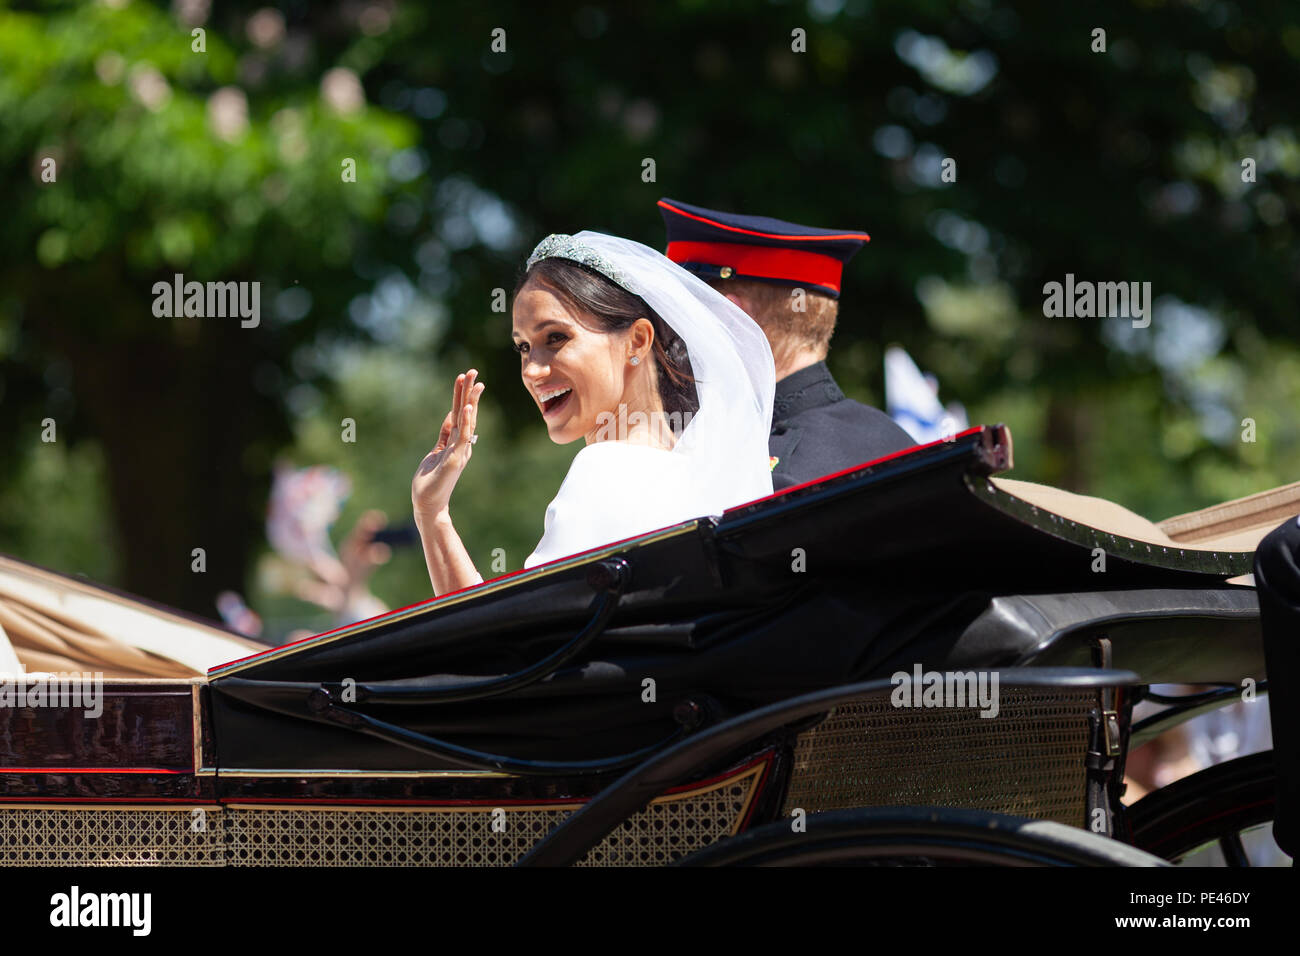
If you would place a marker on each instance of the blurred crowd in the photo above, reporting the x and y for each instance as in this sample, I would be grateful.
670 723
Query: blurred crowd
304 505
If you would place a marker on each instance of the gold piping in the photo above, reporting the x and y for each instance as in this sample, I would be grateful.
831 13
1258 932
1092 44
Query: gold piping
195 729
243 772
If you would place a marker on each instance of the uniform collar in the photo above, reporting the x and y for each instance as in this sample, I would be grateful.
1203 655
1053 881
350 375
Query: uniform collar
810 387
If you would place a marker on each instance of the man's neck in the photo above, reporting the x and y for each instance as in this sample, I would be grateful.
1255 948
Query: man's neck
797 361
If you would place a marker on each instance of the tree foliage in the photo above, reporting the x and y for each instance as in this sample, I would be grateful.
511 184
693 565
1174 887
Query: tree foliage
1127 164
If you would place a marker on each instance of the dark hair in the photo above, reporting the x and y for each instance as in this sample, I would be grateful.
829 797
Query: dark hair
591 293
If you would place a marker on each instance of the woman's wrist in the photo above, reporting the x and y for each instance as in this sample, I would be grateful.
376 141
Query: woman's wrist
427 520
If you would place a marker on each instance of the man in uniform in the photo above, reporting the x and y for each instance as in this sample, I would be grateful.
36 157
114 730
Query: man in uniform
1277 581
787 278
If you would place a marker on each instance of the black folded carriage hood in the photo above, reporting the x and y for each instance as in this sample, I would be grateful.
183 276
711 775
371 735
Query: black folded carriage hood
839 580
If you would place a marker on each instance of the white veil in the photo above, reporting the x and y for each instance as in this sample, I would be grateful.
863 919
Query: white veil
735 377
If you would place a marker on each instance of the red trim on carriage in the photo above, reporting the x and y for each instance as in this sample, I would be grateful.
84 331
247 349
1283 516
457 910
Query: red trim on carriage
5 770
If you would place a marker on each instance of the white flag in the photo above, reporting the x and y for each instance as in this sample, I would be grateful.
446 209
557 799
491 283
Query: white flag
912 400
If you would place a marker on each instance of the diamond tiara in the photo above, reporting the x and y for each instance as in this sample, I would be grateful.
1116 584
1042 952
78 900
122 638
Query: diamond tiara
560 245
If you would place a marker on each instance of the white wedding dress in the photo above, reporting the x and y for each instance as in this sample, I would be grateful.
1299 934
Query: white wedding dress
618 489
648 488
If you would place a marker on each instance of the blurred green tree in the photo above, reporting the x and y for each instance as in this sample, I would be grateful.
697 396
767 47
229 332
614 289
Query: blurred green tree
1169 157
129 157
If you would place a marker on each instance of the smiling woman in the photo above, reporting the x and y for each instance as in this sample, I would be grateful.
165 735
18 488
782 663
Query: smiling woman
668 383
573 327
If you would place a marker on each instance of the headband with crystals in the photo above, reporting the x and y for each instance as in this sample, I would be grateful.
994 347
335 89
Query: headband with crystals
560 245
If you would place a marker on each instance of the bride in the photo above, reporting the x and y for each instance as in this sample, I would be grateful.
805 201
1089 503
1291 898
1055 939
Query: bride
669 384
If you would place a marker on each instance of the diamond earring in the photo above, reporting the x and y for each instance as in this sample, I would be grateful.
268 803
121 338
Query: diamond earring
635 360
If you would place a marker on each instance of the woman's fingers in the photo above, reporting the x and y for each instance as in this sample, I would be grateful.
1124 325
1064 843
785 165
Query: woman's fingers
449 422
464 383
460 397
474 396
466 428
444 433
458 427
456 392
469 415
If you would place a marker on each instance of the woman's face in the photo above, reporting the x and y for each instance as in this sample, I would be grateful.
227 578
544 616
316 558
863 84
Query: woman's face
573 371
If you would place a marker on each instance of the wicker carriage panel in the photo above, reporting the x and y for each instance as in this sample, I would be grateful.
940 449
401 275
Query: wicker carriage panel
310 836
666 830
255 835
672 827
116 836
1028 760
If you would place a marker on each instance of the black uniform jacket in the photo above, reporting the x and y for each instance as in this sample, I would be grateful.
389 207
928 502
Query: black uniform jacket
816 431
1277 581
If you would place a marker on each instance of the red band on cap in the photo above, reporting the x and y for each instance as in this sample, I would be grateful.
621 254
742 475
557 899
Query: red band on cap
787 265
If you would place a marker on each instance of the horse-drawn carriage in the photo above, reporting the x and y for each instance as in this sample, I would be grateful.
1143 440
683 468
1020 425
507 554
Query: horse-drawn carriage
910 661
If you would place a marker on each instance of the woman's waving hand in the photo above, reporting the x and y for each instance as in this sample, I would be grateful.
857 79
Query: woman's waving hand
450 567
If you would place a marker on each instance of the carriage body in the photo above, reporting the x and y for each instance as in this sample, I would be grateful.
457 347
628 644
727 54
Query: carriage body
661 696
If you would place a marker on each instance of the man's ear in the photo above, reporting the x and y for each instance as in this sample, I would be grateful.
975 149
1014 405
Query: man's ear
738 302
